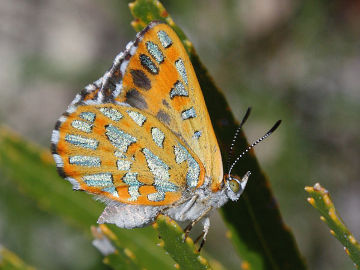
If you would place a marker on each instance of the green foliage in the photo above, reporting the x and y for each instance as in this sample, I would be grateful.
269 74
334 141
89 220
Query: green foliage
10 261
146 11
183 252
321 201
260 236
33 170
116 256
297 62
138 244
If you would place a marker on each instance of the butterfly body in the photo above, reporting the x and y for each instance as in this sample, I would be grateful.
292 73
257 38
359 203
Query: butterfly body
194 204
140 138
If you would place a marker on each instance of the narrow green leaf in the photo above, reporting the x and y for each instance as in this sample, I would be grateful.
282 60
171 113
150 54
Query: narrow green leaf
33 170
255 222
142 243
116 255
146 11
10 261
321 201
183 252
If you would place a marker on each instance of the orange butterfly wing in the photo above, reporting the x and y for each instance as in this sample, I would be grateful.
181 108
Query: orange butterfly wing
126 155
157 77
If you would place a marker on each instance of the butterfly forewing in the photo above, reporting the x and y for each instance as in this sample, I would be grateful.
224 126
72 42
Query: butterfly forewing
158 78
125 154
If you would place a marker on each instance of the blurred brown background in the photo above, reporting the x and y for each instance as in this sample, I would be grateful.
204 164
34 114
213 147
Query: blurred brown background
294 60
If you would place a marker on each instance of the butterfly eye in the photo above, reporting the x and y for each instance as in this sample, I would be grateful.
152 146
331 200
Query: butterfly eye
234 186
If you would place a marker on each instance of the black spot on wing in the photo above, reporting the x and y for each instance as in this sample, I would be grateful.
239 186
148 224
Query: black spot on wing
57 125
53 148
164 102
135 99
61 172
163 117
147 63
140 79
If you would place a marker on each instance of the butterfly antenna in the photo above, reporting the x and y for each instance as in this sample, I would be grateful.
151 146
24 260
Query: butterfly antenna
255 143
231 151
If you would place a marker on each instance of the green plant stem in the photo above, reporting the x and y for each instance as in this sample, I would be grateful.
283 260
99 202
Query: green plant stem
321 201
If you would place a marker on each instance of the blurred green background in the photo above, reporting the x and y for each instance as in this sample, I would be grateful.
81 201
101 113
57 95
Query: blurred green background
298 61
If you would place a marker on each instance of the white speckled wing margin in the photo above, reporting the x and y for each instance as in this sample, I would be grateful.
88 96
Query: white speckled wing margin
112 79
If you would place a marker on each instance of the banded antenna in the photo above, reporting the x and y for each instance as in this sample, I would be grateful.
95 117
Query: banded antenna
267 134
231 151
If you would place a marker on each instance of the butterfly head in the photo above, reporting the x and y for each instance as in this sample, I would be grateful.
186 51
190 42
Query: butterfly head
234 186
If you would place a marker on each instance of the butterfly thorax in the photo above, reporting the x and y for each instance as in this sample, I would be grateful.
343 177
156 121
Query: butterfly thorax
197 202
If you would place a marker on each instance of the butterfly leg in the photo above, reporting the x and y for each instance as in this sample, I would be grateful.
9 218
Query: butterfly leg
178 203
191 225
206 223
188 205
199 237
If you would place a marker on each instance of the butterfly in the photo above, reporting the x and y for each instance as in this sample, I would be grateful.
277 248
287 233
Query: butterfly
141 140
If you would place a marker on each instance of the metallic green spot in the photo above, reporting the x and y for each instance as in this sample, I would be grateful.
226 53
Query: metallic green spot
157 196
137 117
130 178
119 138
180 67
197 134
85 161
164 39
111 190
158 136
181 154
160 171
111 113
119 154
88 116
193 173
123 165
81 125
178 90
187 114
98 180
148 64
82 141
155 52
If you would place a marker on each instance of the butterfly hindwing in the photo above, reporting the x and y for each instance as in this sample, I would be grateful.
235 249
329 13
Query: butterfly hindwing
124 154
155 75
